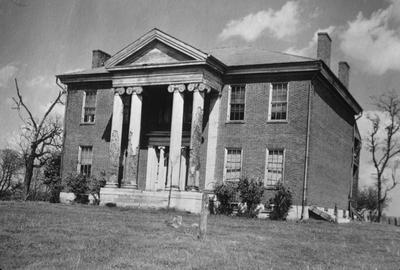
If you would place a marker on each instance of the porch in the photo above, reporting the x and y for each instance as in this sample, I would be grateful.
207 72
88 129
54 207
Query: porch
156 134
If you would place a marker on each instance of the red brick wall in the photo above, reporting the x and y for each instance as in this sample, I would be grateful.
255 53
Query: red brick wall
331 139
255 135
77 134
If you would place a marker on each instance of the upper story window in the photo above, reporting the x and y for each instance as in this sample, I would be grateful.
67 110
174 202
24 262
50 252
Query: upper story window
89 106
274 167
85 160
237 103
233 164
278 100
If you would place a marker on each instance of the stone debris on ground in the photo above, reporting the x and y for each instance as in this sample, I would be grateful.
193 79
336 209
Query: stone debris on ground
175 222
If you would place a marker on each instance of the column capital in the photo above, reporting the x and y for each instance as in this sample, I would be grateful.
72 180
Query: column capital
176 87
119 90
134 90
199 87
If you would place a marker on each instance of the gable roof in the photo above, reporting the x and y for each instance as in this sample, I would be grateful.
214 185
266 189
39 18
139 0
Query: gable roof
235 56
156 49
152 36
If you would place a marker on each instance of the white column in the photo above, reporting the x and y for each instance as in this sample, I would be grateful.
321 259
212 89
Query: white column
151 172
212 136
130 179
161 169
176 136
183 168
196 133
115 140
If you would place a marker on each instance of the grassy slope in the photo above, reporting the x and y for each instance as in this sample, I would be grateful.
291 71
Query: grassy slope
54 236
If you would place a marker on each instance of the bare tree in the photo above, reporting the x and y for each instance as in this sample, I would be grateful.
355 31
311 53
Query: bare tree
39 138
10 163
384 144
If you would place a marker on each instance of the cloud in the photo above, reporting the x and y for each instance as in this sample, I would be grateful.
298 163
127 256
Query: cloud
281 23
43 82
58 110
310 50
7 73
374 41
367 170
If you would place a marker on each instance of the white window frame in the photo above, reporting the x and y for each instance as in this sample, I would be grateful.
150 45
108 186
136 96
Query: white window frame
228 113
84 106
226 160
270 102
266 166
78 169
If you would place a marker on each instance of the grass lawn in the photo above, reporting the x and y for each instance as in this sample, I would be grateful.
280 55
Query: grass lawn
54 236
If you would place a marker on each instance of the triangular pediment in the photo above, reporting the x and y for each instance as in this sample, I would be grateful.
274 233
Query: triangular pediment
155 52
155 48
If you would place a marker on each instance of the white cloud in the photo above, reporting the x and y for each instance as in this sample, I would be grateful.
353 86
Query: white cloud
58 110
42 82
310 50
375 41
281 23
367 170
7 73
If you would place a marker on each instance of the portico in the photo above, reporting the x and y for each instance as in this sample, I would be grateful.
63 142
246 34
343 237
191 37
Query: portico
163 122
143 122
182 170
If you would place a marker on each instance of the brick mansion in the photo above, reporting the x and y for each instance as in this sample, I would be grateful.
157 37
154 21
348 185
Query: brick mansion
162 118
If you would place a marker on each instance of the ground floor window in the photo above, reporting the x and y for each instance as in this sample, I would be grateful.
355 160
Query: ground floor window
233 164
85 160
274 167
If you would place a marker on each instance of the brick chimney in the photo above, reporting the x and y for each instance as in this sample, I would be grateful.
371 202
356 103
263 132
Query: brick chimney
324 48
98 58
344 73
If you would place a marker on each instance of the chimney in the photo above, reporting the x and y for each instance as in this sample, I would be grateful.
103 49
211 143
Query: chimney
324 48
98 58
343 73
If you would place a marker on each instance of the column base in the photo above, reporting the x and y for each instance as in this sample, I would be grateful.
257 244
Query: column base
111 185
173 188
130 186
192 188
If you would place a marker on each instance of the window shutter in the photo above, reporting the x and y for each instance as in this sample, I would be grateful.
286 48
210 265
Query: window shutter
269 101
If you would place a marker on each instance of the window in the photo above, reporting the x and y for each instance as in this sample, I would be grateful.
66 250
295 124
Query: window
274 167
236 103
233 164
85 160
278 99
89 106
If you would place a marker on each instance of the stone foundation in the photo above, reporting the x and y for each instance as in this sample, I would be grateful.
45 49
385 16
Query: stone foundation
124 197
295 212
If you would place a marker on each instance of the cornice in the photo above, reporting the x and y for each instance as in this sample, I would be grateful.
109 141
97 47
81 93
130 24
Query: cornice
334 82
220 73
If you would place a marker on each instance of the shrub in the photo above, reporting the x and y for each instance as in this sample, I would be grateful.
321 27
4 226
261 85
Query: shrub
282 202
226 195
94 186
251 192
52 178
77 184
82 185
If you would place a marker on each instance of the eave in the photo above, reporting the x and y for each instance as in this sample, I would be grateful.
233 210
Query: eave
82 78
224 73
317 67
342 90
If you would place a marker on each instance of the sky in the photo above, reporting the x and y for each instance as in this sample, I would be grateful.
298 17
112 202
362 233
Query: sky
42 38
